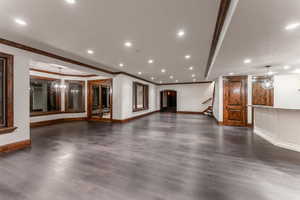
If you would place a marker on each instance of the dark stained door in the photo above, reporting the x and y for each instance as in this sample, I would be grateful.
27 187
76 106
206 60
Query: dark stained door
235 101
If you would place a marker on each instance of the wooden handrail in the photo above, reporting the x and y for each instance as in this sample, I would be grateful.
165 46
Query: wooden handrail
208 100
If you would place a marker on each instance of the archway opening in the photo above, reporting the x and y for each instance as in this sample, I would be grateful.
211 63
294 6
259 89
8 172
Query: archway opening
168 101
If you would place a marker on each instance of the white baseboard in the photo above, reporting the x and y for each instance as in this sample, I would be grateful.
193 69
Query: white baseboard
275 141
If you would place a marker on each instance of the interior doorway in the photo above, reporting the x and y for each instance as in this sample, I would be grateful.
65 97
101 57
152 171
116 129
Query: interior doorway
235 101
168 101
100 100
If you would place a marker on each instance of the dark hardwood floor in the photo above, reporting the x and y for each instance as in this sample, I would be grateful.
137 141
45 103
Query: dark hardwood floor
159 157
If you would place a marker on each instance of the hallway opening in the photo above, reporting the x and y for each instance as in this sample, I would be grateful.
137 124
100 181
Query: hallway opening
168 101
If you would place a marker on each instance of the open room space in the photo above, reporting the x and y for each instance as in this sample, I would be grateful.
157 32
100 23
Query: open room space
149 100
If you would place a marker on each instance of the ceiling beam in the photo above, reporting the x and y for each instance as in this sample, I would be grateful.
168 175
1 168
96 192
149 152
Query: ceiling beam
222 14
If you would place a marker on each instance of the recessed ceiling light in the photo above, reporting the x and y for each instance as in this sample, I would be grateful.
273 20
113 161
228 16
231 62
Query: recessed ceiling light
150 61
152 78
171 77
187 56
194 80
163 70
180 33
270 73
191 68
121 65
231 73
286 67
128 44
160 82
292 26
296 71
247 61
193 75
139 73
70 1
176 81
20 22
90 51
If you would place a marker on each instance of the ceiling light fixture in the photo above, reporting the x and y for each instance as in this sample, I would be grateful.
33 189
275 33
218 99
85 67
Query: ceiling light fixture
187 56
247 61
191 68
231 73
292 26
268 83
163 70
139 73
60 85
286 67
20 22
160 82
193 75
150 61
121 65
176 81
152 78
171 77
180 33
71 1
90 51
128 44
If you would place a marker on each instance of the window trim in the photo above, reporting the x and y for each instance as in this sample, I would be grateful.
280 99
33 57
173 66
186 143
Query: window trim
9 94
145 97
82 83
36 114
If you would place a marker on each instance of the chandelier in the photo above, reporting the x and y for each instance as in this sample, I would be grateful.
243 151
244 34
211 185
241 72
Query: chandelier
60 85
268 83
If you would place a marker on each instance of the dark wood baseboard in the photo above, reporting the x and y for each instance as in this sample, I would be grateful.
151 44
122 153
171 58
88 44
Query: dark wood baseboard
133 118
189 112
15 146
250 125
55 121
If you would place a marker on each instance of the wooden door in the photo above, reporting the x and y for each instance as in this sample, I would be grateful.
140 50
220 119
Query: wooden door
235 101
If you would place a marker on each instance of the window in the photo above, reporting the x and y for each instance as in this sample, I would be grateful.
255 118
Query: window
6 94
44 96
140 96
75 96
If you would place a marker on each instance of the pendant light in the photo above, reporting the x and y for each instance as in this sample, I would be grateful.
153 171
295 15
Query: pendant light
60 85
268 83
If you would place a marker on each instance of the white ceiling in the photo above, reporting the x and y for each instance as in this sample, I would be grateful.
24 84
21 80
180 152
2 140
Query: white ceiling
56 68
257 31
104 26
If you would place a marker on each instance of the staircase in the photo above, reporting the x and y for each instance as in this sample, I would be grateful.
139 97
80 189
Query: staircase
208 111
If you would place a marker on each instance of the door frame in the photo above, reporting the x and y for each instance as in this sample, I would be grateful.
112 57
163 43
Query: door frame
161 98
90 99
245 96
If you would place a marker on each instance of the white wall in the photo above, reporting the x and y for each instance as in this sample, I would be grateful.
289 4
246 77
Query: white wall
122 97
286 91
21 97
218 101
189 96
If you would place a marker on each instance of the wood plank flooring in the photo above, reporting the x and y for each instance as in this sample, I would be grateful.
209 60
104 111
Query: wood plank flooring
159 157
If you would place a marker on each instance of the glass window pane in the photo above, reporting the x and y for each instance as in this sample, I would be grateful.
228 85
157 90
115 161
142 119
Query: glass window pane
140 96
2 85
75 97
44 97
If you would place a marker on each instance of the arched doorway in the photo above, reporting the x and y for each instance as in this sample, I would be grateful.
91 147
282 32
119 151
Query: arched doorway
168 101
